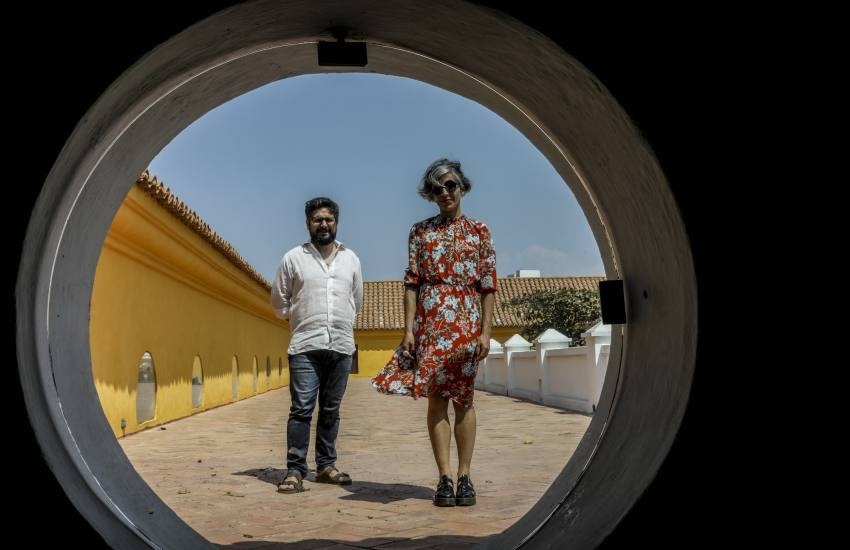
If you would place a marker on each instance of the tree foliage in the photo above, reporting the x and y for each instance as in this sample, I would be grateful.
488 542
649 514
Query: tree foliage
569 311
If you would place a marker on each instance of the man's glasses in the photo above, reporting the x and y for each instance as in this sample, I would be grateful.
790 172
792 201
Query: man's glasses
448 185
318 220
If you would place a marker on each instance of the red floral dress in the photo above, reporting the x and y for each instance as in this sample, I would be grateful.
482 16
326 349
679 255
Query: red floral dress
452 262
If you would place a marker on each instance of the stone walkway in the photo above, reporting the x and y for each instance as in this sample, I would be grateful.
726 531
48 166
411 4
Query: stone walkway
218 471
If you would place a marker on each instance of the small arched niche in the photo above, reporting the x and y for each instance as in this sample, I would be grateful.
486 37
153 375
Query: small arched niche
146 389
197 383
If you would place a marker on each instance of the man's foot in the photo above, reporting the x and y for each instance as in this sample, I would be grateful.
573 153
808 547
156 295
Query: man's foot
291 483
465 495
445 493
329 474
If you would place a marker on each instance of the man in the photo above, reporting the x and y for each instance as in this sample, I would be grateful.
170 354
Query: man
319 288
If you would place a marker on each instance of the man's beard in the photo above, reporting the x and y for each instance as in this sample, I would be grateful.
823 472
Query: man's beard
318 240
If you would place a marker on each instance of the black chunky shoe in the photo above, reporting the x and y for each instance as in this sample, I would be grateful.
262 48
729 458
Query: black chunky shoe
445 494
465 495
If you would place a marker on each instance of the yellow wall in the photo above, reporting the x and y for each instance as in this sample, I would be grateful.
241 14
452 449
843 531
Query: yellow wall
161 288
375 347
501 334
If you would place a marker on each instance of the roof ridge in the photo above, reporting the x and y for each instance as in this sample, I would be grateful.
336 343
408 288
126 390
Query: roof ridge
159 192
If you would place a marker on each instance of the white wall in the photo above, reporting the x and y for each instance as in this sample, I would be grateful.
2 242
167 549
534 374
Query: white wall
550 371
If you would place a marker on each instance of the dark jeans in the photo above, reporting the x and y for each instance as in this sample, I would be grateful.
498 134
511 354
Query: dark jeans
322 374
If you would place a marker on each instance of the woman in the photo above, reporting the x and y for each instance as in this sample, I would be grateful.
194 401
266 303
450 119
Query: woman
448 311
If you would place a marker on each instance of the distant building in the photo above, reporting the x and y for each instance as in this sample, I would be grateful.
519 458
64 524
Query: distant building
525 273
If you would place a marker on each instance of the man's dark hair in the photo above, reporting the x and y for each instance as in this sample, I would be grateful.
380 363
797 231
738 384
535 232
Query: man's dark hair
321 202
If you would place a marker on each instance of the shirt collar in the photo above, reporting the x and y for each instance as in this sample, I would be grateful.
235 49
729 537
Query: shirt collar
308 247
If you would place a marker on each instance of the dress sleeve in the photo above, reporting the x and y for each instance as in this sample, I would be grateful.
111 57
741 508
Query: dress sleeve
412 275
487 280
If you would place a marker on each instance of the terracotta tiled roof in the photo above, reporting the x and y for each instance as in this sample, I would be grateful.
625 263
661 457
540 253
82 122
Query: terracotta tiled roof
383 301
514 287
383 306
168 200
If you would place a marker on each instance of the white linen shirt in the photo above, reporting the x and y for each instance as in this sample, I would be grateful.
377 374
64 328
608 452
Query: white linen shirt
320 300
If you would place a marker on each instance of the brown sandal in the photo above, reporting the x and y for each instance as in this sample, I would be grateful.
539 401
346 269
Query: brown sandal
289 486
330 474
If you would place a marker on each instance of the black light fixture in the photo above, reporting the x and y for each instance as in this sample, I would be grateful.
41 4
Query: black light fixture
612 302
342 53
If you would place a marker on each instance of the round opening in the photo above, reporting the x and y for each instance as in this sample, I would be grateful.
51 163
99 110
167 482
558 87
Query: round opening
515 72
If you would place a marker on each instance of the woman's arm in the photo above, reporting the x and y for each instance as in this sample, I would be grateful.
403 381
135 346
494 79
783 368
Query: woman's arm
487 286
483 346
410 297
411 290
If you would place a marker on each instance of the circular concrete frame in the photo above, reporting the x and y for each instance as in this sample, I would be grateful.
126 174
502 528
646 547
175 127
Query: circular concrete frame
514 71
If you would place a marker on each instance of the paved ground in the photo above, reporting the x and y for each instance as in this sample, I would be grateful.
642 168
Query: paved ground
218 471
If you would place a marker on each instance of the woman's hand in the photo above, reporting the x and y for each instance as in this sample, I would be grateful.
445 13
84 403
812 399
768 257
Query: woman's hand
407 343
482 347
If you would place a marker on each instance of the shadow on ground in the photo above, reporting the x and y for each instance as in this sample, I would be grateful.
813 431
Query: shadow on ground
268 474
384 493
367 491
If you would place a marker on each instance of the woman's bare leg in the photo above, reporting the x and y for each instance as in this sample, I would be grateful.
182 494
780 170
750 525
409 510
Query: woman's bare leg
440 432
464 436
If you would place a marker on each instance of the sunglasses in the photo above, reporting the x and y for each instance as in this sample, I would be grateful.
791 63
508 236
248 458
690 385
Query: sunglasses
449 185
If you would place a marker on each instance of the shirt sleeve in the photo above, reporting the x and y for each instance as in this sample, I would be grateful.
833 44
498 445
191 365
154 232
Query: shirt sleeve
358 287
281 292
487 281
412 276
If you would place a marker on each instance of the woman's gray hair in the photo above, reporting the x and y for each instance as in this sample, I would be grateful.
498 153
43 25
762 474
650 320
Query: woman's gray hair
438 169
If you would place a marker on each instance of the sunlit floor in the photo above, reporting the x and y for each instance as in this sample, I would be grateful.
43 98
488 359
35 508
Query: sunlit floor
218 471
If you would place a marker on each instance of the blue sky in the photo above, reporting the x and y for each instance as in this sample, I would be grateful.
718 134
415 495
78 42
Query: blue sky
364 140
